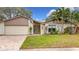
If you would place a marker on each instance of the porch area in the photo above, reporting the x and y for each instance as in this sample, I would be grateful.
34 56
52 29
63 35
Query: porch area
36 27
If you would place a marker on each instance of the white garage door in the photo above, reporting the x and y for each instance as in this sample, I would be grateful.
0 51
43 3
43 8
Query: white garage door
16 30
1 28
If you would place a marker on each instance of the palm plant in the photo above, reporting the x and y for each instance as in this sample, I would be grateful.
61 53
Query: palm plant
76 16
62 13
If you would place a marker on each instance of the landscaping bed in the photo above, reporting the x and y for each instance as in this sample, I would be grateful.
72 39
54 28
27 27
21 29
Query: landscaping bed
51 41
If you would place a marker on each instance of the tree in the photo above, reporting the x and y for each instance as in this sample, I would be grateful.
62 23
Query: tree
61 13
24 12
76 16
53 16
10 12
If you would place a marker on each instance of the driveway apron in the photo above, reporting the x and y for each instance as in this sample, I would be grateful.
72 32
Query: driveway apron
11 42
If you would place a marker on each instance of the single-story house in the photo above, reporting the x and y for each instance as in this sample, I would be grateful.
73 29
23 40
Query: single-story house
24 26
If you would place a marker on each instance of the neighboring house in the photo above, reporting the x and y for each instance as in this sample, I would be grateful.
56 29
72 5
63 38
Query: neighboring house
24 26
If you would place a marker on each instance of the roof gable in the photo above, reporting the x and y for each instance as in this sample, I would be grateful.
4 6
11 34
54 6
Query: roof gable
17 21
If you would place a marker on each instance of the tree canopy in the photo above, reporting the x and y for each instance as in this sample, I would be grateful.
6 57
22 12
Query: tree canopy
10 12
65 14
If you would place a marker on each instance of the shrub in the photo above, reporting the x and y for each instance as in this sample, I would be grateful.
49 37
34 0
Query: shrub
68 30
54 31
30 30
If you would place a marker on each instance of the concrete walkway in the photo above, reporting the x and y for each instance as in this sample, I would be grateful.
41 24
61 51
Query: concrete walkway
52 49
11 42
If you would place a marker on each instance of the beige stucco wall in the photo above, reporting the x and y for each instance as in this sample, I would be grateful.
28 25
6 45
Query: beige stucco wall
59 27
68 25
42 29
1 28
78 25
16 30
30 24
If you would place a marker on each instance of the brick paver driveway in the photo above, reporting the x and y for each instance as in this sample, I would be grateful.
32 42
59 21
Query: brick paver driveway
11 42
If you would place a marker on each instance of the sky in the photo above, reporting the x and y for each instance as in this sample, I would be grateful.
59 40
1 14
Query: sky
40 13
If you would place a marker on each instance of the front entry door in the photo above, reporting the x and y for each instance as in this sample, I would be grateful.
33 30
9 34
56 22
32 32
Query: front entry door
36 29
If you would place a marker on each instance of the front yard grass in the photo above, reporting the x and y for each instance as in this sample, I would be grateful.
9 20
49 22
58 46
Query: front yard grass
51 41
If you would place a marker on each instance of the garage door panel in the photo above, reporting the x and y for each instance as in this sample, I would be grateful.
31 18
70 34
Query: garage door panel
1 28
16 30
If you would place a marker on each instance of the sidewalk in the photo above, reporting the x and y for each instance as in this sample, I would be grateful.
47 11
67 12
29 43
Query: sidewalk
52 49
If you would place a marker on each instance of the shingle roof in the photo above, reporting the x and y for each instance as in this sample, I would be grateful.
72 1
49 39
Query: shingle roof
17 21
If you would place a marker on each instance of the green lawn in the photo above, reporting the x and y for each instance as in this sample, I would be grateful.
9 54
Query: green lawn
51 41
